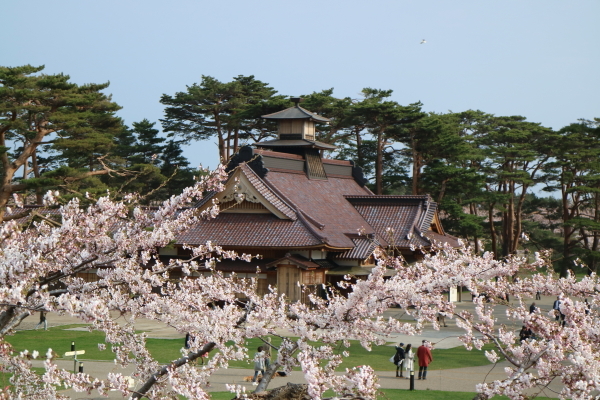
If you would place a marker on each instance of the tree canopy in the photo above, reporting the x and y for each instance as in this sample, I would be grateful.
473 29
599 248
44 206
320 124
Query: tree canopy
40 109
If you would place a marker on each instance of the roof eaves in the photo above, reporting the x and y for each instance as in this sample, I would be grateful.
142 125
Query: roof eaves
295 112
205 199
296 259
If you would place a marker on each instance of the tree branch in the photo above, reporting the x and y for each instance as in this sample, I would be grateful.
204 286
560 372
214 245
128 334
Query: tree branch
141 392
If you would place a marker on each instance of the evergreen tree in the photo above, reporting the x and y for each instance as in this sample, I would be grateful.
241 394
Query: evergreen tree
383 119
175 167
36 109
516 155
228 111
148 145
576 164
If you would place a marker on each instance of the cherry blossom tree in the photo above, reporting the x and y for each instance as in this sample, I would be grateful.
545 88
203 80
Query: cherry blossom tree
39 266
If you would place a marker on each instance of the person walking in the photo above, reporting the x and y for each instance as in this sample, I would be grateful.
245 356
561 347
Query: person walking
588 307
267 350
425 357
441 318
532 308
259 363
399 359
409 359
43 321
560 317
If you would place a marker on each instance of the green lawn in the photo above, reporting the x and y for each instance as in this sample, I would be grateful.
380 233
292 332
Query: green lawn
378 357
59 340
165 350
392 394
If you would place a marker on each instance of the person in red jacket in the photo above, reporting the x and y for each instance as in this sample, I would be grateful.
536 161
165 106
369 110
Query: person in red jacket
424 355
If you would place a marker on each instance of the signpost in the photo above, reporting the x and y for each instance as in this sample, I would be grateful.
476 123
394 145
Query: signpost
75 353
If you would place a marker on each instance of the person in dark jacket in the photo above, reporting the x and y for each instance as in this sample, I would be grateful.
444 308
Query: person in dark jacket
525 333
532 308
399 359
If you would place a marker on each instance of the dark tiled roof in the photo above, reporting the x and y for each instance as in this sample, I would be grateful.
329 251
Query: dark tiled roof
296 143
321 212
325 263
296 112
23 214
451 240
364 247
207 196
267 192
406 216
249 230
296 259
323 201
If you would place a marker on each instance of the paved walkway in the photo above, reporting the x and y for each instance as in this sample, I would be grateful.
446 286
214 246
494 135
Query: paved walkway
462 379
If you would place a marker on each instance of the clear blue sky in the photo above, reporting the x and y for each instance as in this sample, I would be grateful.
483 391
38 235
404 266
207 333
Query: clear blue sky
536 58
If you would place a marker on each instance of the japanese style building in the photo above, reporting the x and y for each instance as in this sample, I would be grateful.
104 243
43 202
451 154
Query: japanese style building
312 219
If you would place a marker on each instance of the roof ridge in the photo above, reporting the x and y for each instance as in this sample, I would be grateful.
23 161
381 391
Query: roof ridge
419 217
304 219
311 219
387 196
286 209
423 214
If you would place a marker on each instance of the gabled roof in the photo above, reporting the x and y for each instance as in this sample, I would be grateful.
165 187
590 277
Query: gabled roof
401 221
296 112
269 195
244 184
323 201
300 212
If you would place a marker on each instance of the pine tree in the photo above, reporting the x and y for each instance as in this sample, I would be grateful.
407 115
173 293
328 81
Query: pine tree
36 109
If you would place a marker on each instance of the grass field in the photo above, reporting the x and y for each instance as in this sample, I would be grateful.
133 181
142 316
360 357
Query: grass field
165 350
393 394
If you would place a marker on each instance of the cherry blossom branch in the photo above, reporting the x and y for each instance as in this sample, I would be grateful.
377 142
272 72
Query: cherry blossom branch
141 392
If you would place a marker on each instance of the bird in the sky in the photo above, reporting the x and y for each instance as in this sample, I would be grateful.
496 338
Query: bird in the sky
423 41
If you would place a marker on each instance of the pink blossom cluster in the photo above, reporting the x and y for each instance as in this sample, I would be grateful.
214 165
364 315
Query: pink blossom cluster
120 240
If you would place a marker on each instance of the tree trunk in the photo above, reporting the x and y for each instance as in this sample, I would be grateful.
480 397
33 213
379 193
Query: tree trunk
236 140
379 165
39 197
593 262
567 231
291 391
493 234
359 152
